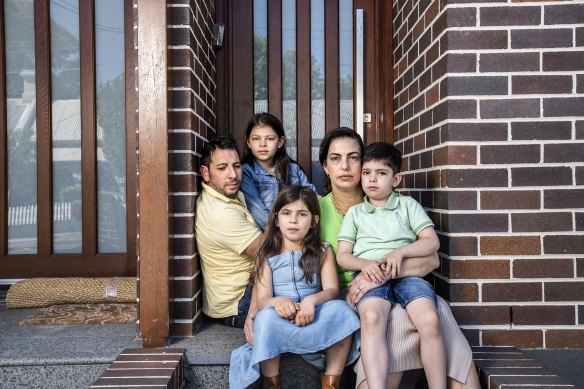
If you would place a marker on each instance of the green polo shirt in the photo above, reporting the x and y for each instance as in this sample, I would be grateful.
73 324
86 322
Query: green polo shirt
375 231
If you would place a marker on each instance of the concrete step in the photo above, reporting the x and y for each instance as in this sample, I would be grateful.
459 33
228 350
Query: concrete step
63 356
209 351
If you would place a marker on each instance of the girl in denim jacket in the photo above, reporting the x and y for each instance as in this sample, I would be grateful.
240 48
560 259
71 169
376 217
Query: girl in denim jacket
267 166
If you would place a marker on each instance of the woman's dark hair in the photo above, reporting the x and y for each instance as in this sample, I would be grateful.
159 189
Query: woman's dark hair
281 158
325 144
311 259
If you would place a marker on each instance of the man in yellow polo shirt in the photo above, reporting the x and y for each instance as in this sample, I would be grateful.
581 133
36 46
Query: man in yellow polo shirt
227 236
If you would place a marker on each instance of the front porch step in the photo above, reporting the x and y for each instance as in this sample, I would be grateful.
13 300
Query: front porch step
58 356
209 351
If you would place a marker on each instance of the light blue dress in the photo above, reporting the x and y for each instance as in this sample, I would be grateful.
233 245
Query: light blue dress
260 188
273 335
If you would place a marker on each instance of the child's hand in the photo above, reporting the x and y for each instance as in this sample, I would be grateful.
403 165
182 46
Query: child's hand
372 271
286 308
305 314
392 264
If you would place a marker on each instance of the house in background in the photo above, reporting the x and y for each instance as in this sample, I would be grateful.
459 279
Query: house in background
107 104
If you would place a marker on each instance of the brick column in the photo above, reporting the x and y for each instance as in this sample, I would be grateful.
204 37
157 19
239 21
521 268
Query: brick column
192 123
489 107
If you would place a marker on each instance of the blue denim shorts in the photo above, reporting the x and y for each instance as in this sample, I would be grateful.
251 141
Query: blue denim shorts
402 291
408 289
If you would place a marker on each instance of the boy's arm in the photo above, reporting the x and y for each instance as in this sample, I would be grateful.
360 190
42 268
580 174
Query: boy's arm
426 245
346 259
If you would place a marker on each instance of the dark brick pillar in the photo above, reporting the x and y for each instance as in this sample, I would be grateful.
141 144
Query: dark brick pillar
192 123
489 107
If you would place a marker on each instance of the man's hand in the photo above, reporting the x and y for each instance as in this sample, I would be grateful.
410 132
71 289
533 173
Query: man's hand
286 308
392 263
372 271
305 314
248 326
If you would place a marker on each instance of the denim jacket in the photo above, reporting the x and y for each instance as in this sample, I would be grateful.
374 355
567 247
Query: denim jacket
260 189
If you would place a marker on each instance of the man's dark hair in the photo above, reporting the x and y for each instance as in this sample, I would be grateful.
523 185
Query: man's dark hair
384 152
221 143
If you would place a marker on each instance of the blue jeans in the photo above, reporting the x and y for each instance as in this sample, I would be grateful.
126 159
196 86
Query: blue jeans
402 291
242 309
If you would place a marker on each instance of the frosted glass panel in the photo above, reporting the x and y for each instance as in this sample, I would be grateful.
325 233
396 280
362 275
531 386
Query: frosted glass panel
260 55
21 127
346 62
66 126
317 90
289 75
111 126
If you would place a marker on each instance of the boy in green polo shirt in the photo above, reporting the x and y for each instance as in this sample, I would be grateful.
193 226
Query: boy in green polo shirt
375 237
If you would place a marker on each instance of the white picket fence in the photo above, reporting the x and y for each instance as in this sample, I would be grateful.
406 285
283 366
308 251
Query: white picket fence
27 214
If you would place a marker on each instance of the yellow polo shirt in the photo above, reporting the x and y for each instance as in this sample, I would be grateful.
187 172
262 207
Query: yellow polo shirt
224 229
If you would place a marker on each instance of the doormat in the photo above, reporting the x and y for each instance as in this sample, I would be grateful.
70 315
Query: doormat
45 292
83 314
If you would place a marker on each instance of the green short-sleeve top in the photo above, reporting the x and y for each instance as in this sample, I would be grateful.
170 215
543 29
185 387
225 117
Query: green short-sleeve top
330 225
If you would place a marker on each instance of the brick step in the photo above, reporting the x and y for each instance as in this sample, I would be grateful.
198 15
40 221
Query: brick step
508 367
144 368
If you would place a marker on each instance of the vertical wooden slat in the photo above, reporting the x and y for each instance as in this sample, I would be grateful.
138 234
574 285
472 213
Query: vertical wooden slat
131 127
153 119
275 57
242 68
88 126
3 141
331 63
43 124
303 98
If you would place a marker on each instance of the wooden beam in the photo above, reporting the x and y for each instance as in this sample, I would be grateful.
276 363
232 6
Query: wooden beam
303 96
42 37
88 133
331 65
153 180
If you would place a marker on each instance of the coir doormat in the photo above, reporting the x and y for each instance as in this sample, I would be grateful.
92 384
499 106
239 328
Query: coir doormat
83 314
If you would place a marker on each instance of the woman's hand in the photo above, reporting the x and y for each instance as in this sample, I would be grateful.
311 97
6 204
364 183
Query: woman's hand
373 272
358 287
305 314
286 308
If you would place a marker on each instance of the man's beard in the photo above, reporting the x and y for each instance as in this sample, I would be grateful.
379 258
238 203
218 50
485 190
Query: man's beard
223 191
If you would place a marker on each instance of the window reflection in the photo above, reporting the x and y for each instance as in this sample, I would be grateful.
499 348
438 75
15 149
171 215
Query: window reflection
260 55
346 62
317 89
111 126
21 126
66 126
289 74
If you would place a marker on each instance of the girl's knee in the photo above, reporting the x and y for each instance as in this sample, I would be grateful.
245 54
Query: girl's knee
371 318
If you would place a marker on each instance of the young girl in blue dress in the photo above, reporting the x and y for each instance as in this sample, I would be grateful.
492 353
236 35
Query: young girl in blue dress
297 290
267 166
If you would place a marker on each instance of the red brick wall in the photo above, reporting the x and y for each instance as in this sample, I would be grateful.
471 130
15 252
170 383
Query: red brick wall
489 113
191 64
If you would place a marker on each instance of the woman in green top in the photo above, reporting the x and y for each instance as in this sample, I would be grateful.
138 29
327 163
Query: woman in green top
340 156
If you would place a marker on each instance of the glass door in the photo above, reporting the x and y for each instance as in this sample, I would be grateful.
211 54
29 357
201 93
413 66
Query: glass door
298 59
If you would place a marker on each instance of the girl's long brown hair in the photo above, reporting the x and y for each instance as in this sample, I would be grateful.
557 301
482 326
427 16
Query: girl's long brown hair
312 247
281 158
